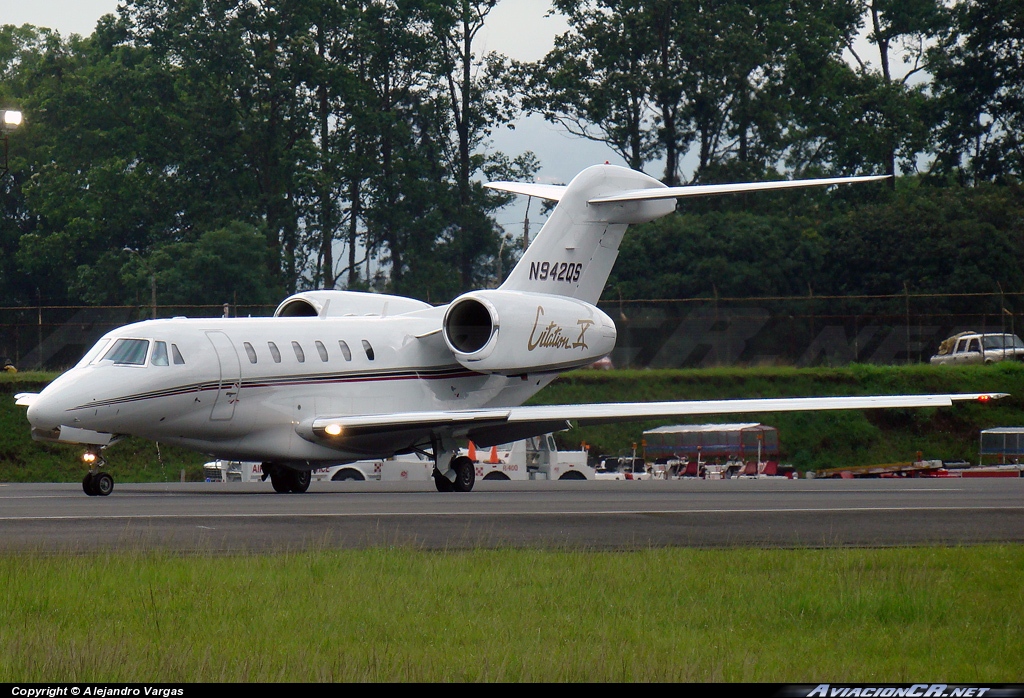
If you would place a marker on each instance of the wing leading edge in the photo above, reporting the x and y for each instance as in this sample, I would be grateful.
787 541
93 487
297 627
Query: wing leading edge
487 427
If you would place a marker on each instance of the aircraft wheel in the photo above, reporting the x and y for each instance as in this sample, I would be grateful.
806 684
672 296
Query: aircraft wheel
280 481
103 484
88 486
442 483
465 474
301 480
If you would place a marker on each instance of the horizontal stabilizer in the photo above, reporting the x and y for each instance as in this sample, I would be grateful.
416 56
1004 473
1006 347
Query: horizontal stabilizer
714 189
551 192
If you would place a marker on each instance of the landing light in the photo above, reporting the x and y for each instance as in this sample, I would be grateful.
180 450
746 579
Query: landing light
88 457
332 429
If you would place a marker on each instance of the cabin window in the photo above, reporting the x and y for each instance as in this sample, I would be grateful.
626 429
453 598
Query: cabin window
300 356
368 349
129 352
178 360
274 352
343 345
321 350
251 351
159 355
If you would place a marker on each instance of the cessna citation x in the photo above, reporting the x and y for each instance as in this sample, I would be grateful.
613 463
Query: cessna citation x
338 376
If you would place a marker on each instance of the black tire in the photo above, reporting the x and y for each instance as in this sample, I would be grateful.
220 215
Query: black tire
442 483
280 480
88 485
465 474
103 484
573 475
301 480
495 475
348 475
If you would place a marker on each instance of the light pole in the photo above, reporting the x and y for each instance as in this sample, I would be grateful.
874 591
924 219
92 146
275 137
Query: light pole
9 120
152 277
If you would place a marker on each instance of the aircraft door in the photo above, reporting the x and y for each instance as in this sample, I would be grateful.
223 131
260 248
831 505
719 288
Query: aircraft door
230 377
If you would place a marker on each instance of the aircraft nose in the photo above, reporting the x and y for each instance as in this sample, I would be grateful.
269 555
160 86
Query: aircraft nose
44 413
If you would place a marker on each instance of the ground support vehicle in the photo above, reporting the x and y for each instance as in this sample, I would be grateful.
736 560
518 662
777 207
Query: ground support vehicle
968 348
717 451
536 458
919 468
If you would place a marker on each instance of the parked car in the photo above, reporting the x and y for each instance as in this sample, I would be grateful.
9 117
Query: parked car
979 348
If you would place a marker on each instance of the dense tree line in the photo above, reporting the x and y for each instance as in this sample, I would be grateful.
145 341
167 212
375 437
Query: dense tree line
228 150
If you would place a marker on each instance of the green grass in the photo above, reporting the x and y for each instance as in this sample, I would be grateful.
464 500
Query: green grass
889 615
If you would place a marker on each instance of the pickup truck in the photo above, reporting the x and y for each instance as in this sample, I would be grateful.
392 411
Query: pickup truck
979 348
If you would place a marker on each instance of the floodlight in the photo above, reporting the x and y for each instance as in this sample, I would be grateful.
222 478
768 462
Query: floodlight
12 119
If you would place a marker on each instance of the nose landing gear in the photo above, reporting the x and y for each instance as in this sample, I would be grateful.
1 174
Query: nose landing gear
96 483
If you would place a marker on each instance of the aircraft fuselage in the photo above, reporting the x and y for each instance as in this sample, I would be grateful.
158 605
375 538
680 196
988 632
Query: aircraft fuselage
236 388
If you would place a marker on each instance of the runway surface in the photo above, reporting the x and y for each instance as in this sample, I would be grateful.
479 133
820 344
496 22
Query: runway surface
218 517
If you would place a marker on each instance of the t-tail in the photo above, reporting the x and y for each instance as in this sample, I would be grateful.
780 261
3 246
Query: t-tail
544 318
574 252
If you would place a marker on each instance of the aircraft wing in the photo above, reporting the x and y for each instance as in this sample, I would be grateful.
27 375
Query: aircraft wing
487 427
25 399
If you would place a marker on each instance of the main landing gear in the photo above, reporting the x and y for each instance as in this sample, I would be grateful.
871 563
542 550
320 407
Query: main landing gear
96 483
285 479
465 476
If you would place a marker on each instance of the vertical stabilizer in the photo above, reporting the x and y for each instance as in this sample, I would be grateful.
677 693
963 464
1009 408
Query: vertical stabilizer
577 247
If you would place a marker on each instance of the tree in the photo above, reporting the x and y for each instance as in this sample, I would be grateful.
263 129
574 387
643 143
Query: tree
979 69
596 81
877 118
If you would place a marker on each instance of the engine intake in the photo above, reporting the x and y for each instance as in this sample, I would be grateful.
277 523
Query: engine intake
469 325
515 332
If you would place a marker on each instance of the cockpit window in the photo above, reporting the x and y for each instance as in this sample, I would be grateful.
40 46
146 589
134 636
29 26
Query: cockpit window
159 354
131 352
178 359
94 353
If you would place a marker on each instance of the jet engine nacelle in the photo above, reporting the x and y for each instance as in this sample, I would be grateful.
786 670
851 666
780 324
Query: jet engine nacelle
514 332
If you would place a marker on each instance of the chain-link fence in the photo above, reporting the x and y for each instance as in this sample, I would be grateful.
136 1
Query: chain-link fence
799 331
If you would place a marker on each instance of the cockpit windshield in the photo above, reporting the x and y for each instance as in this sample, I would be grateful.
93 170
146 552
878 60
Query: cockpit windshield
93 353
131 352
159 354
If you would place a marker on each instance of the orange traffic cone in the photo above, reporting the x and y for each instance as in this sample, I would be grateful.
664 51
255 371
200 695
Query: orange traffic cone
494 455
472 451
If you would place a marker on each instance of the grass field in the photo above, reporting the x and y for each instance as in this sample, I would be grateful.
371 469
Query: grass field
389 614
794 616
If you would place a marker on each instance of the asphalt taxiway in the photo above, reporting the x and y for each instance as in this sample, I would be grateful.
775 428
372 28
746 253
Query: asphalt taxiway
236 517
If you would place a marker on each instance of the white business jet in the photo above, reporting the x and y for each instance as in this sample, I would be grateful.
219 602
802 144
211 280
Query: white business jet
337 376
